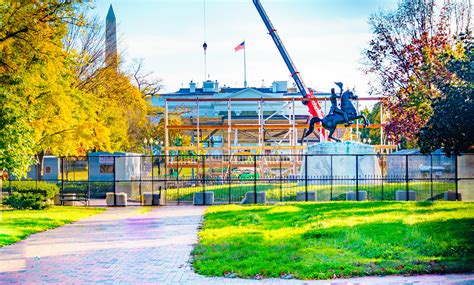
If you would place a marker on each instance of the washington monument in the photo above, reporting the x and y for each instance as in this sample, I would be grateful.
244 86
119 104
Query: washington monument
111 39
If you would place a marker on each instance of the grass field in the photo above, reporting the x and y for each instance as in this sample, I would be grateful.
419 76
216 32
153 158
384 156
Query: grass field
336 239
16 225
287 191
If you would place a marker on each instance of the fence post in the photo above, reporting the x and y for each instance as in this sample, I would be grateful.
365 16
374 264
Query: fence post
281 182
357 177
332 180
115 184
203 180
406 176
88 179
161 191
166 174
456 176
177 175
431 176
61 197
229 172
152 182
140 183
38 173
382 175
306 176
255 179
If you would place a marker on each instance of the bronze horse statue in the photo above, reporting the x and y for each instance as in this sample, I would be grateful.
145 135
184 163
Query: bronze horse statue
330 121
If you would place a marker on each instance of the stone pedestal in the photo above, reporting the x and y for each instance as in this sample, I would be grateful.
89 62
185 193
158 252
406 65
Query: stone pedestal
338 160
401 195
198 198
131 189
154 199
466 170
451 196
121 199
352 196
301 196
250 198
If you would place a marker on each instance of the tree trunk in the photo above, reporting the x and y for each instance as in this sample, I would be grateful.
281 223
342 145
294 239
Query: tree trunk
66 167
39 169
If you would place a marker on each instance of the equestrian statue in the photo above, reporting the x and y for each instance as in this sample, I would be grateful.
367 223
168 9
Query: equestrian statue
336 116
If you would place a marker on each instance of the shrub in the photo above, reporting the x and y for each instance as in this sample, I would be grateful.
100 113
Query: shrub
46 189
97 189
26 200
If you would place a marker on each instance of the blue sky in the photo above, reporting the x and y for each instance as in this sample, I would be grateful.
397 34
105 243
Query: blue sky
325 39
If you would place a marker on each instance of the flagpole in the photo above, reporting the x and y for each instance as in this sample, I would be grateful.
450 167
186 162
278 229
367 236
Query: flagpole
245 68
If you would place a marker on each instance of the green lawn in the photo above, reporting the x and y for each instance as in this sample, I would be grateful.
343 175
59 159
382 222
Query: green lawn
336 239
287 191
16 225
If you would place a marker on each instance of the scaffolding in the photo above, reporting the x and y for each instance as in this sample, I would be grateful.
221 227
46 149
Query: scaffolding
269 131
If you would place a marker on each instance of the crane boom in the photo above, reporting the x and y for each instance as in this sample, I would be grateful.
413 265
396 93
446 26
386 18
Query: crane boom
313 106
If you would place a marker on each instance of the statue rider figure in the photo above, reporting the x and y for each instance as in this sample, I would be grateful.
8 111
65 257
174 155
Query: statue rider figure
334 109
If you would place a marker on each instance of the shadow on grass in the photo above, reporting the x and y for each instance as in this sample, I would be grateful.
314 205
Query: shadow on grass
384 243
289 190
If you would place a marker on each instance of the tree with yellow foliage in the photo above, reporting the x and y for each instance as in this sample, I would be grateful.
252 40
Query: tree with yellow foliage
30 48
48 106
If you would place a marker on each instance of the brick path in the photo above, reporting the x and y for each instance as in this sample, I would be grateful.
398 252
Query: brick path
126 246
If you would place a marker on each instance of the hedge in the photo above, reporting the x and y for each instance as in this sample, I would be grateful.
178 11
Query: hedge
26 201
46 189
98 190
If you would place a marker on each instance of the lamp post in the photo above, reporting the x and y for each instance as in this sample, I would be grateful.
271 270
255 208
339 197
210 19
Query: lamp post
145 143
148 145
157 147
151 144
160 147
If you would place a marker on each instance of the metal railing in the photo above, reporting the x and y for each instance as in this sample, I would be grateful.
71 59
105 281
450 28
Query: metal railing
283 177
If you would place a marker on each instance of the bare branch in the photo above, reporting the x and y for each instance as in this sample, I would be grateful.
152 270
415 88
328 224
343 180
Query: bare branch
148 85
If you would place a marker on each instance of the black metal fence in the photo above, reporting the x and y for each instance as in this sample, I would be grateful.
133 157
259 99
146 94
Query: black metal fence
177 179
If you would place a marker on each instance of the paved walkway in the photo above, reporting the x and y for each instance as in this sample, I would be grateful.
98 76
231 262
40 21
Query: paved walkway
124 245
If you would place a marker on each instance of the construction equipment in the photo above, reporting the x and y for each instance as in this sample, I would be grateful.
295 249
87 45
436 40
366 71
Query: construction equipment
313 106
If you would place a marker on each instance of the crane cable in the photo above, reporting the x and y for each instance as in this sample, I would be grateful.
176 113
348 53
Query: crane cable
204 45
204 19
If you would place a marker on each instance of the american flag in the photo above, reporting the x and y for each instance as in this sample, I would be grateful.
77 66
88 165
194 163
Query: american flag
240 46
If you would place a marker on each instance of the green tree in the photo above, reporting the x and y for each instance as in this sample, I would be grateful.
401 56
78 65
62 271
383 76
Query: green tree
16 143
174 135
374 117
450 126
120 107
30 37
57 96
404 55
